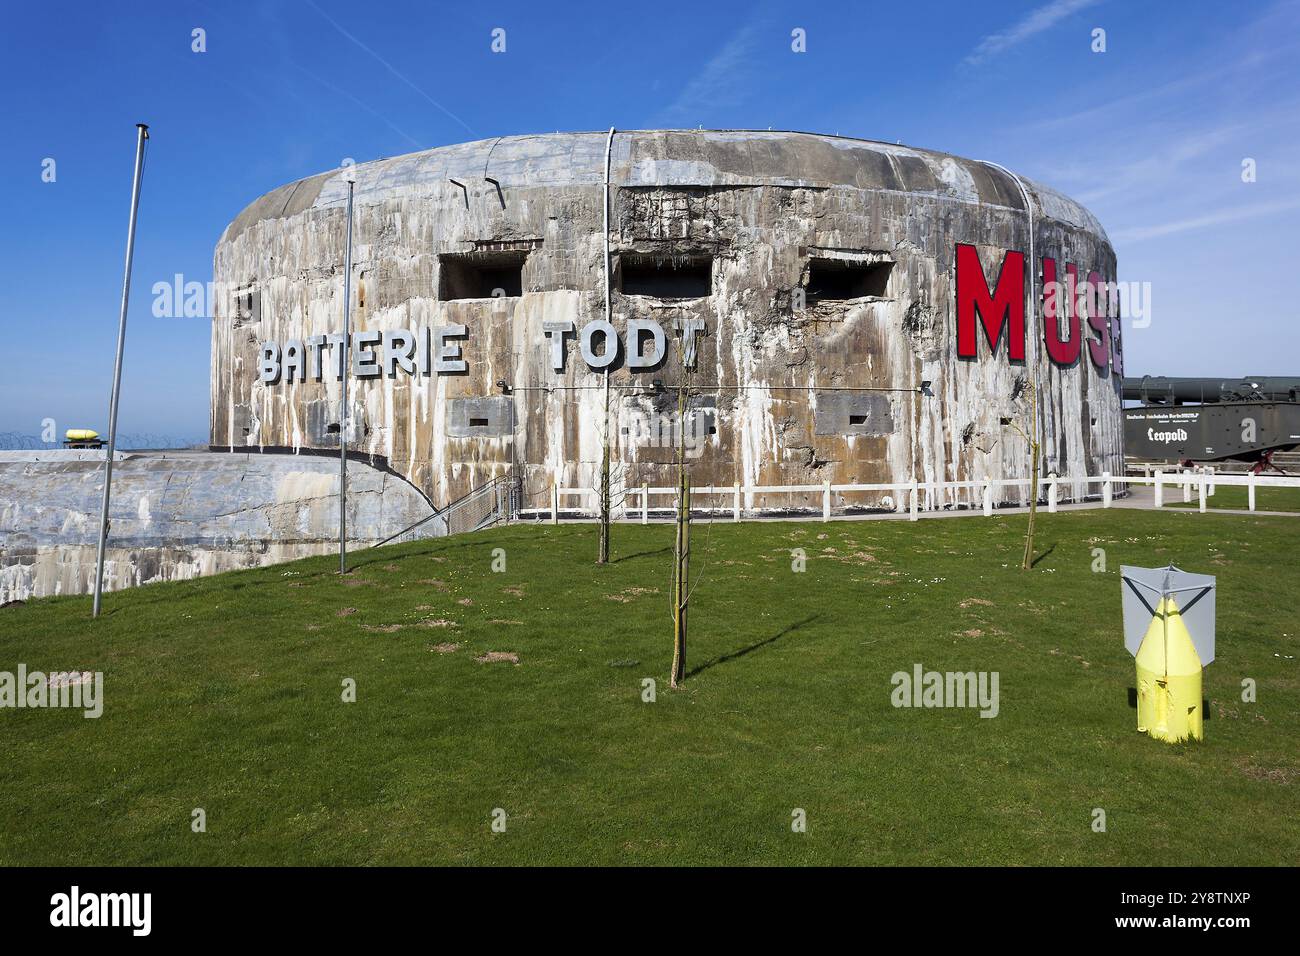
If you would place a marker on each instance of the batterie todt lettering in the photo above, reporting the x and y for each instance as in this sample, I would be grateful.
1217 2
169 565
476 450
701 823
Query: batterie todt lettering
372 354
423 351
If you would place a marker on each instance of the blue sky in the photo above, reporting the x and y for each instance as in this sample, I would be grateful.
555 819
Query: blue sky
1150 135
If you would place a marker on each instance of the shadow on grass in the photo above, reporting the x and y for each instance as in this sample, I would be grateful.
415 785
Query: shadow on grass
724 658
1034 562
641 554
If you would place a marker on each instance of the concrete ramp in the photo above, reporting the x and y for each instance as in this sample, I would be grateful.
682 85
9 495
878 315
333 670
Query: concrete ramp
181 514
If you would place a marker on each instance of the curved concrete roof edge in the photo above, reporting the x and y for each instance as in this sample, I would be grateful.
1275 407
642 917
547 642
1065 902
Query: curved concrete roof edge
641 159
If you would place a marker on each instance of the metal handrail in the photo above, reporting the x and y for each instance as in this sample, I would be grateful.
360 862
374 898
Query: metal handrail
462 502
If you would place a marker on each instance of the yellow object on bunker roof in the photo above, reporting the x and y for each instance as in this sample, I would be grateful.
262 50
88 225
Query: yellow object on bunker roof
80 434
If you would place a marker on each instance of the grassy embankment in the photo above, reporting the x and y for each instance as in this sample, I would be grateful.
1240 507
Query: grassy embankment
225 693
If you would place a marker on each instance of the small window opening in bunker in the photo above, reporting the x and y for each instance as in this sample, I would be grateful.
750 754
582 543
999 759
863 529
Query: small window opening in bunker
480 275
857 419
666 277
478 423
832 279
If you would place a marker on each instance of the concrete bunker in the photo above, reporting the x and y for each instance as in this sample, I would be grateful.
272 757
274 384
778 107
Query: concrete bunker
816 274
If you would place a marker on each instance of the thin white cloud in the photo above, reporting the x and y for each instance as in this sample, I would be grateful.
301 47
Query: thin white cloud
388 66
369 109
722 82
1220 77
1033 23
1164 166
1229 214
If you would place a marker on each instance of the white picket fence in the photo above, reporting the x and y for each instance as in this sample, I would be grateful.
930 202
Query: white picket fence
637 500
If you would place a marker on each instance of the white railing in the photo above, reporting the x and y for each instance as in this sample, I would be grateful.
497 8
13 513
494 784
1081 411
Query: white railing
1205 480
637 499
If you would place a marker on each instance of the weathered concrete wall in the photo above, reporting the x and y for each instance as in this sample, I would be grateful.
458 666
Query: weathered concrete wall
180 515
762 205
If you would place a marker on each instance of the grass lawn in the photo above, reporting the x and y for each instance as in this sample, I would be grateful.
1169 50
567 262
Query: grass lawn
225 693
1225 496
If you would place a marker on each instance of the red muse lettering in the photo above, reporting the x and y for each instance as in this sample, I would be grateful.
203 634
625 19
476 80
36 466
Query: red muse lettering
1004 307
1061 351
1088 311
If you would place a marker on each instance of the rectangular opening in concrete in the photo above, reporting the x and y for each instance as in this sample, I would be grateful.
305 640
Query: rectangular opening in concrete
478 423
853 413
834 279
481 275
665 277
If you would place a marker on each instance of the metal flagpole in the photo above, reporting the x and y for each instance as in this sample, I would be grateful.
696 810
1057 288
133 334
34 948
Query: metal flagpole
142 134
343 376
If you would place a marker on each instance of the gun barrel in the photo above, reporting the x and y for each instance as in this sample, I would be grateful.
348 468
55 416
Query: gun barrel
1162 390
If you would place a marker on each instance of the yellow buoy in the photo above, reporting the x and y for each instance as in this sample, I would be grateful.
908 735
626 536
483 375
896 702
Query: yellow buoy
1169 679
